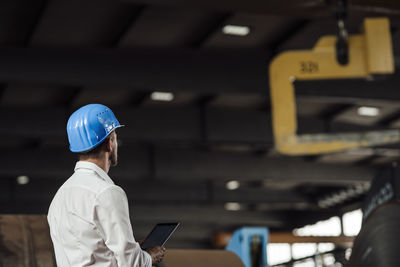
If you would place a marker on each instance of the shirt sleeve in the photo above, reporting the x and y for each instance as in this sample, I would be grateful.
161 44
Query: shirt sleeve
112 219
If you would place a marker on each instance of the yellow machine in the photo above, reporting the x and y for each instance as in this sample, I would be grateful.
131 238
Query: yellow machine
369 54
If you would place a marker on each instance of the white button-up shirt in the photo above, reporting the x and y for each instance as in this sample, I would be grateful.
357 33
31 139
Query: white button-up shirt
89 222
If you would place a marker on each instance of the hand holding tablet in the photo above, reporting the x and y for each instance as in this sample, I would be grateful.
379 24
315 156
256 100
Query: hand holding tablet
156 254
159 235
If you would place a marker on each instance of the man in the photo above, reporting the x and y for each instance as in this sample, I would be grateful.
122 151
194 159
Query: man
89 215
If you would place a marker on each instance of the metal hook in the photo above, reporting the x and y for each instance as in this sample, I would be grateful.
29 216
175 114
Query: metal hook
342 47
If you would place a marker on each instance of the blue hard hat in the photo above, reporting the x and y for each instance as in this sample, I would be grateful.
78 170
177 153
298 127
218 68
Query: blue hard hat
89 126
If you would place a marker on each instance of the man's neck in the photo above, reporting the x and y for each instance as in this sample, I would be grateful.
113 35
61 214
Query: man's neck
102 163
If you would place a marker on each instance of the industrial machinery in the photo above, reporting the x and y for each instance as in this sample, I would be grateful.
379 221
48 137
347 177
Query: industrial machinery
356 56
250 244
379 238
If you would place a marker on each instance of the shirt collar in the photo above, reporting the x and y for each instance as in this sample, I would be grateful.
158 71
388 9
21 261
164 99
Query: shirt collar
91 166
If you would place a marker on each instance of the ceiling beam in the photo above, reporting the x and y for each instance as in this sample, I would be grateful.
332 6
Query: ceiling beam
207 214
257 195
166 163
202 71
230 126
157 192
184 163
273 7
151 124
145 215
244 126
182 125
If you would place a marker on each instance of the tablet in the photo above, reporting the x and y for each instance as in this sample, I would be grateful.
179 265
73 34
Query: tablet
159 235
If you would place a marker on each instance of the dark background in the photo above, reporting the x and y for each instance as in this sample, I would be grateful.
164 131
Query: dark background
176 157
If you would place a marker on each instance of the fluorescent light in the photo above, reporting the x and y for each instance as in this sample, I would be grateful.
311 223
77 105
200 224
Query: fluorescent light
368 111
330 227
22 179
232 185
162 96
352 222
233 206
236 30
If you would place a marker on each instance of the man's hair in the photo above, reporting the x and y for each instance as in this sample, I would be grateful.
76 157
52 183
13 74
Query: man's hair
95 152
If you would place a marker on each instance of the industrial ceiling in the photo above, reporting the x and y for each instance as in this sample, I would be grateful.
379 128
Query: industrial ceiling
176 157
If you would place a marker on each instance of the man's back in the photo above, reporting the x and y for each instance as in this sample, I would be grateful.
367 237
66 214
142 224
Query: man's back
89 222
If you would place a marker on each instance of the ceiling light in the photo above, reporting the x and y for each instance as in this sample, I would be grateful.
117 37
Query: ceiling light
232 185
22 179
368 111
236 30
233 206
162 96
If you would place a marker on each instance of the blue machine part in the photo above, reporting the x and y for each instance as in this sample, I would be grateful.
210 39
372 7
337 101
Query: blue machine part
250 244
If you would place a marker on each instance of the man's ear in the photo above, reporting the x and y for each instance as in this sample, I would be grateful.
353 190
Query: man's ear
109 144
